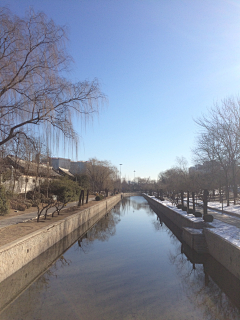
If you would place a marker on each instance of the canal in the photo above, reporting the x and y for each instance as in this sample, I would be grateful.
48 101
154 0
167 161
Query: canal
130 265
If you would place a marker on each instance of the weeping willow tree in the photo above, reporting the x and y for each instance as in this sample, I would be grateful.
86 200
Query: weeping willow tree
34 92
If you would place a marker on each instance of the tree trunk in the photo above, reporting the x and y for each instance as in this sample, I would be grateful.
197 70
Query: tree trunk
182 202
87 195
82 197
205 199
188 202
193 201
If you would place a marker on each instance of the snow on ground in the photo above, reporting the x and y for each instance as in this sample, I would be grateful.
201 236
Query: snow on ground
217 205
231 208
226 231
171 206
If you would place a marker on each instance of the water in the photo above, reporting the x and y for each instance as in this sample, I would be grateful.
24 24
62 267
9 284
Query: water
130 265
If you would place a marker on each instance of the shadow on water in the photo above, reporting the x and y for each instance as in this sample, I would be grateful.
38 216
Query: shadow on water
206 278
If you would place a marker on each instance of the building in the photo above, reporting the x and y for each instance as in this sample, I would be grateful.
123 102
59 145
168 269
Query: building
78 167
60 163
74 167
206 167
21 176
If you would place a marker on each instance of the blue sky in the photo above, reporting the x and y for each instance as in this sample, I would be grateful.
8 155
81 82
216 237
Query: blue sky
161 64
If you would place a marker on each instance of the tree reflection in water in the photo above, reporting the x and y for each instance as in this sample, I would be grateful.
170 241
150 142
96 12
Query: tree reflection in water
198 285
106 227
201 290
196 279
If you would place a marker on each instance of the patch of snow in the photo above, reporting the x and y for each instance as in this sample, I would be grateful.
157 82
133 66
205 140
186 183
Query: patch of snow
229 233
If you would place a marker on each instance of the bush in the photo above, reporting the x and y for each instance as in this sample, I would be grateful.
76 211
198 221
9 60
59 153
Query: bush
30 195
65 189
179 206
17 205
28 204
208 218
198 214
21 207
99 197
4 204
14 204
184 208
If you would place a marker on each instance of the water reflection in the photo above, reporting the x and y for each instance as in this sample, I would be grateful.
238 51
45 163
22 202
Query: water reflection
130 265
207 284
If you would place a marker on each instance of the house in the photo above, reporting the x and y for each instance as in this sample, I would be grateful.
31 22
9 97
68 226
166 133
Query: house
21 176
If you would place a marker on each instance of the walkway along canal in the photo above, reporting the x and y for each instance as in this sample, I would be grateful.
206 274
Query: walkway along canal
131 264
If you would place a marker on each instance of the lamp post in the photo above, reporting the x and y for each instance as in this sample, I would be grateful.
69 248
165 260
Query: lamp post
120 177
134 180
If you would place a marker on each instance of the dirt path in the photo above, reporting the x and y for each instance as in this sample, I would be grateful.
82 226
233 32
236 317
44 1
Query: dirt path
14 232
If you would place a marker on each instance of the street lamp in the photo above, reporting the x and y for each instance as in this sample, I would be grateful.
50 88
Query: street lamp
134 181
120 177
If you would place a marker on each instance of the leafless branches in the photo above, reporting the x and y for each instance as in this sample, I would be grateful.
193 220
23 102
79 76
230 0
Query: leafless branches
33 89
219 138
101 174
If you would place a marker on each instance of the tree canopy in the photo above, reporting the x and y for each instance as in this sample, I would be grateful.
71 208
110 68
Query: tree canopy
34 89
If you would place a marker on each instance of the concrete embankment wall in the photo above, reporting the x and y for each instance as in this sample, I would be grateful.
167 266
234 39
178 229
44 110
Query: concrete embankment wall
131 194
180 220
205 240
223 251
20 252
14 285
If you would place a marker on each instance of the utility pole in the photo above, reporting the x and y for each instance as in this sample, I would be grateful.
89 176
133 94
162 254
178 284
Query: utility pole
134 180
120 177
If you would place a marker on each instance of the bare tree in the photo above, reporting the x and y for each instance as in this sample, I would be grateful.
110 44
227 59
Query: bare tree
175 179
101 174
33 89
219 139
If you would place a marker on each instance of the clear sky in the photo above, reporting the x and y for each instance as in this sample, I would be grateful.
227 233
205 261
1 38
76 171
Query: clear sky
161 63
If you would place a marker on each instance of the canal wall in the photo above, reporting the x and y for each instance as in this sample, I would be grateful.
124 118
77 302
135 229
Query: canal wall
15 255
131 194
19 281
223 251
201 236
179 217
190 226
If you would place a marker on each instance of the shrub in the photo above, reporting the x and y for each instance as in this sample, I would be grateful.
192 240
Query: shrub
30 195
179 206
4 204
198 214
65 189
28 204
14 204
18 205
99 197
21 207
208 218
184 208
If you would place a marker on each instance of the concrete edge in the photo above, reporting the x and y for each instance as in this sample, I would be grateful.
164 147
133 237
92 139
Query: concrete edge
223 251
15 255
